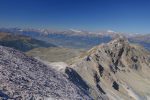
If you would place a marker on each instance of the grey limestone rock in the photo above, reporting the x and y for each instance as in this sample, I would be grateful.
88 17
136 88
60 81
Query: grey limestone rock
25 78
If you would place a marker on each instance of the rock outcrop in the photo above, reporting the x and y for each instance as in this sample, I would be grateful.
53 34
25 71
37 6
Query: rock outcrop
117 70
25 78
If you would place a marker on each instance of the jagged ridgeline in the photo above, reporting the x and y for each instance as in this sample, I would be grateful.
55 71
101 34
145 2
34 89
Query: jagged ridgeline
112 71
118 70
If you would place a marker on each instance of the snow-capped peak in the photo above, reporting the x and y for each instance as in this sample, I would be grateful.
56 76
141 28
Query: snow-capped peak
110 31
75 30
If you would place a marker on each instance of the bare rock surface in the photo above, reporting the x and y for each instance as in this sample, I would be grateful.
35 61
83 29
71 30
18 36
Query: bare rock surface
118 70
25 78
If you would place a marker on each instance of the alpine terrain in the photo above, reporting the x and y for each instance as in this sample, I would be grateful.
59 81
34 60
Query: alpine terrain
118 70
25 78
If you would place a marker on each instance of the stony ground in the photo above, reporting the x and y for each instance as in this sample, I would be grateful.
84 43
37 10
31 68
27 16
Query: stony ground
25 78
117 70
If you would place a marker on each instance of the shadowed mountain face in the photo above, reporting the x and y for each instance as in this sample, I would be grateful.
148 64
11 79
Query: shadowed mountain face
118 69
25 78
20 42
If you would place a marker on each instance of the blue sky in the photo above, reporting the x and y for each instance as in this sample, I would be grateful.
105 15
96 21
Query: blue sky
92 15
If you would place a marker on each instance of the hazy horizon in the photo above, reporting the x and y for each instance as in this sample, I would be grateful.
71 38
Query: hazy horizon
91 15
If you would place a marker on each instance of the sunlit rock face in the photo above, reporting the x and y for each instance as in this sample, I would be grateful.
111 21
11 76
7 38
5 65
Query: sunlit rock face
112 71
25 78
117 70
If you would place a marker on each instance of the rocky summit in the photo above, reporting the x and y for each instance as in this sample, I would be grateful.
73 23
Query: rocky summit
117 70
25 78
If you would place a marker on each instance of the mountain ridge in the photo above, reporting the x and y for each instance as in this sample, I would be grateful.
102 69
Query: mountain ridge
111 68
109 71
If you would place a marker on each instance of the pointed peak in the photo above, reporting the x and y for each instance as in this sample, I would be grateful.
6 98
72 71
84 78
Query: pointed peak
120 39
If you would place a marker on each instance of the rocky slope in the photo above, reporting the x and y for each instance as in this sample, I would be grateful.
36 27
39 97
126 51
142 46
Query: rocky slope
25 78
118 70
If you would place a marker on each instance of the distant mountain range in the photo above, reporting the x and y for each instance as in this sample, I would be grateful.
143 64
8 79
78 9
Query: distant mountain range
143 40
118 70
76 38
71 39
21 42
